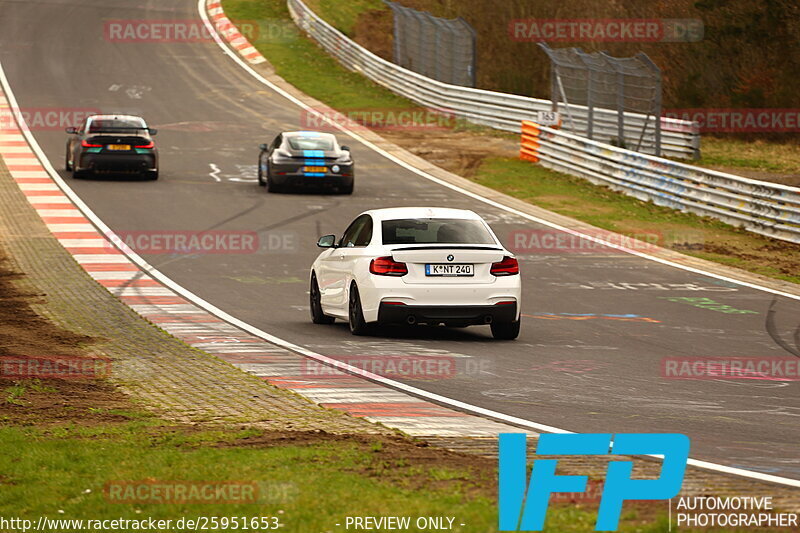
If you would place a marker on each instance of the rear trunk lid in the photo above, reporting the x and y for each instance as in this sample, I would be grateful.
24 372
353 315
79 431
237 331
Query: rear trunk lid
320 155
424 263
118 142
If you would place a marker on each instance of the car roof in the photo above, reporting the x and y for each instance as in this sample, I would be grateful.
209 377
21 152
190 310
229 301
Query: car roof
309 134
394 213
93 118
116 117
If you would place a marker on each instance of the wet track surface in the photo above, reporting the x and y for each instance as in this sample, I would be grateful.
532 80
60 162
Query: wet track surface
599 326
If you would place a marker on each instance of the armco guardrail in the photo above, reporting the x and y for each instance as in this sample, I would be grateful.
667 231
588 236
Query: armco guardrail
766 208
679 138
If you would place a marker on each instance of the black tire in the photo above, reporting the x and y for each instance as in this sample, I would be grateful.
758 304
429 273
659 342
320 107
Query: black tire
67 163
505 331
152 176
261 182
317 316
358 326
271 186
347 189
78 174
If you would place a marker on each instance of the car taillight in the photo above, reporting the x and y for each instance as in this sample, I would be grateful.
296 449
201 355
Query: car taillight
386 266
151 144
507 267
88 145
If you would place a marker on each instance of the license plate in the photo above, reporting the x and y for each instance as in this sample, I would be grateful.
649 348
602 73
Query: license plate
119 146
449 270
316 170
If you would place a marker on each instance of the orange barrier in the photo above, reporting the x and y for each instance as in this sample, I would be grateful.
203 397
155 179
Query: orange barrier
529 142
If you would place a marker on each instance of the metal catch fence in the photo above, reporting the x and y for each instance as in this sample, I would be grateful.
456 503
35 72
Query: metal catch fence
442 49
502 111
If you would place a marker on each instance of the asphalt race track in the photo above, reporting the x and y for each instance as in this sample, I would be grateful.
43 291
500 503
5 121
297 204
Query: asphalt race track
598 325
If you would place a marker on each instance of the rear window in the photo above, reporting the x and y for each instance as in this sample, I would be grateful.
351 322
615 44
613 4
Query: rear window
111 124
311 143
435 231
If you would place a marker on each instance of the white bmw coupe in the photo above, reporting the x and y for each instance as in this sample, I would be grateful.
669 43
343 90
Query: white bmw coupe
417 265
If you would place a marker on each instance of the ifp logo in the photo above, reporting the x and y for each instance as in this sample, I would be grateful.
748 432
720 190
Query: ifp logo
521 512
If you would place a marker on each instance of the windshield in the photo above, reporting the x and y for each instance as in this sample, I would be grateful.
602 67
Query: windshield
305 142
435 231
106 124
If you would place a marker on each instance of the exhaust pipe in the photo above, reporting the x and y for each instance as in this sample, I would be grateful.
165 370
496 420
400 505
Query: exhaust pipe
487 319
411 320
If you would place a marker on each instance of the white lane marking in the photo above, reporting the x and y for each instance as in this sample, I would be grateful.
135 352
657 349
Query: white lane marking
84 243
140 291
215 170
442 426
64 228
134 257
136 92
37 186
15 161
124 275
38 200
101 258
244 174
25 174
635 286
74 213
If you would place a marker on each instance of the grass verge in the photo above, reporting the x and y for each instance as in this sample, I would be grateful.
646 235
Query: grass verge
136 468
344 15
79 472
303 64
757 155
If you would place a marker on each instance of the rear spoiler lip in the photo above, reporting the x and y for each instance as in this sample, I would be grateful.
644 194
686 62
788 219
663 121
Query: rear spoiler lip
141 135
329 154
114 130
443 247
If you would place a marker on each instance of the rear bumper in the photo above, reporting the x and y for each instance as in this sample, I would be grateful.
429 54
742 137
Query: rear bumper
292 175
118 162
305 181
376 290
457 315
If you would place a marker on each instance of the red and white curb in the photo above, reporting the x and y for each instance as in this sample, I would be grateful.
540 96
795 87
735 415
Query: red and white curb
162 306
228 30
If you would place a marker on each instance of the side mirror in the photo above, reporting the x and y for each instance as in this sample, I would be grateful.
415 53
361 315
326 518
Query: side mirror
345 148
72 130
152 131
262 146
327 241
